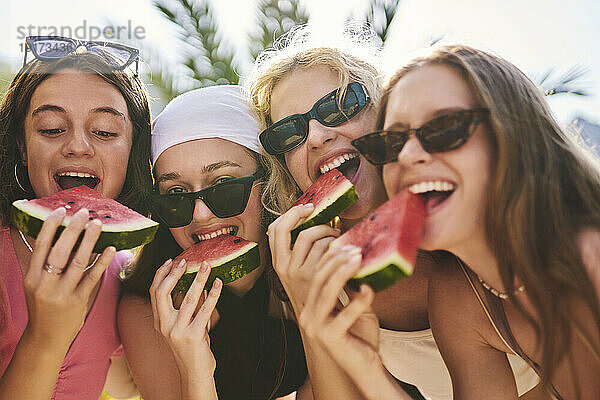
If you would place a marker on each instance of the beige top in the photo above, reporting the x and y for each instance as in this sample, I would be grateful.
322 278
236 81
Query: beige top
413 357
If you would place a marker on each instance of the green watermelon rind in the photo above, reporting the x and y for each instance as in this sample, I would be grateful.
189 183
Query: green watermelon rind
328 213
227 271
121 240
382 274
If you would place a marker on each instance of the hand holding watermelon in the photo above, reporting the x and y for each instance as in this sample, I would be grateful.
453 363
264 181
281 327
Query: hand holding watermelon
350 335
186 330
296 265
299 237
59 286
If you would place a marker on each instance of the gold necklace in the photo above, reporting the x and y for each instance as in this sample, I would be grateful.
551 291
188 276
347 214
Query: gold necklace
503 296
496 293
31 250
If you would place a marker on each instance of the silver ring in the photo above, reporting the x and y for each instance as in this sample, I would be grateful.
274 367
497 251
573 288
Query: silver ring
51 269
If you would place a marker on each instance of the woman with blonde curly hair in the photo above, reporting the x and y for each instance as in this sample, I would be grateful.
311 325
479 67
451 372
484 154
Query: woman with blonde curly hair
313 101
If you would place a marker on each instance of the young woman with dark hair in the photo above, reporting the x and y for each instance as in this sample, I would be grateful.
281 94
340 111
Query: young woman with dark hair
74 115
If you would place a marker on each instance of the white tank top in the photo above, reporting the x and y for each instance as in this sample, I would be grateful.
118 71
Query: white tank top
413 357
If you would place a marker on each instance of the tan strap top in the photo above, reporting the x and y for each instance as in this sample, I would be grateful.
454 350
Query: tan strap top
495 313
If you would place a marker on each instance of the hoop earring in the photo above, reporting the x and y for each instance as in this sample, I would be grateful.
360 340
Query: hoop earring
17 179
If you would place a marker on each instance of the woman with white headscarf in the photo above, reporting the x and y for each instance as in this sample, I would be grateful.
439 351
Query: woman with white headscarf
245 349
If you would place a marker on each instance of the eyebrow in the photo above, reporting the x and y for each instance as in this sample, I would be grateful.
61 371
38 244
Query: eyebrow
108 110
52 107
171 176
47 107
443 111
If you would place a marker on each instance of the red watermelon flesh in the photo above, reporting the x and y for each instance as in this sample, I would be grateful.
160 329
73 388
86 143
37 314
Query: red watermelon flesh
389 239
230 258
331 194
122 227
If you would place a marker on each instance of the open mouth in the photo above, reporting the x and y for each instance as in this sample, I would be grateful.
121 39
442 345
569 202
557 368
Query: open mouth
230 230
347 164
68 180
433 193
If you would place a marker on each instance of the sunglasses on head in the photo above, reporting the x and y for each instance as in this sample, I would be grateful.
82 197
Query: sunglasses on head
48 48
224 200
443 133
330 110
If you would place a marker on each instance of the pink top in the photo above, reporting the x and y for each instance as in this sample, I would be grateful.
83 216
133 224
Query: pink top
84 369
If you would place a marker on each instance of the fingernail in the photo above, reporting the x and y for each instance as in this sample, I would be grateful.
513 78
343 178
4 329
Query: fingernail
309 205
95 222
82 211
217 283
181 264
168 262
204 266
60 211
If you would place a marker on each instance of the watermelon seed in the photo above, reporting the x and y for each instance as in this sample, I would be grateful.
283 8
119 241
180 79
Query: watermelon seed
107 216
68 207
372 217
237 240
90 218
70 202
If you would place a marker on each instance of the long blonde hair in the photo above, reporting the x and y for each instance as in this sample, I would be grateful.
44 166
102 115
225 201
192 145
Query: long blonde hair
544 192
352 60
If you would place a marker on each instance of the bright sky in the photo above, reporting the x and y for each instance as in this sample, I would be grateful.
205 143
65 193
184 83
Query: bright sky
536 35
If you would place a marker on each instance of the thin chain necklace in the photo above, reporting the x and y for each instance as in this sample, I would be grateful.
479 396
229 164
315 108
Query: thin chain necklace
31 249
503 296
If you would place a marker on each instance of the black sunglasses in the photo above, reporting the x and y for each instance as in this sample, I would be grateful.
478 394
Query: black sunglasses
330 110
224 200
48 48
443 133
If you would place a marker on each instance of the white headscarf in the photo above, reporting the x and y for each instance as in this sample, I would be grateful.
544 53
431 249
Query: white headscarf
212 112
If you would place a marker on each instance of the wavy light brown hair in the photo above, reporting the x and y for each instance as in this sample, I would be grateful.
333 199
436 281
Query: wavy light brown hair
544 192
353 61
12 134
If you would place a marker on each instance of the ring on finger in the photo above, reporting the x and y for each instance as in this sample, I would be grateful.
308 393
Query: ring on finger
51 269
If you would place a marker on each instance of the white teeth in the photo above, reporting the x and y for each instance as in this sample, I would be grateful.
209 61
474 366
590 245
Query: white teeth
77 174
224 231
430 186
336 162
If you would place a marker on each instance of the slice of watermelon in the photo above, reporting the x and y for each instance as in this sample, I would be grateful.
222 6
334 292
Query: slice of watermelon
389 239
230 258
122 227
331 194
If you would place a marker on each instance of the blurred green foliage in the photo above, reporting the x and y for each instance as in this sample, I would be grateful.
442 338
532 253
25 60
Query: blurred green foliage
6 76
208 58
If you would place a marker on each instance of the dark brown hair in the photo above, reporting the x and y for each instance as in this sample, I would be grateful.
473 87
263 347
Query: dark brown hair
12 120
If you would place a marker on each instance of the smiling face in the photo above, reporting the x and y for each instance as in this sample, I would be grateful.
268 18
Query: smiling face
77 132
197 164
327 147
453 183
